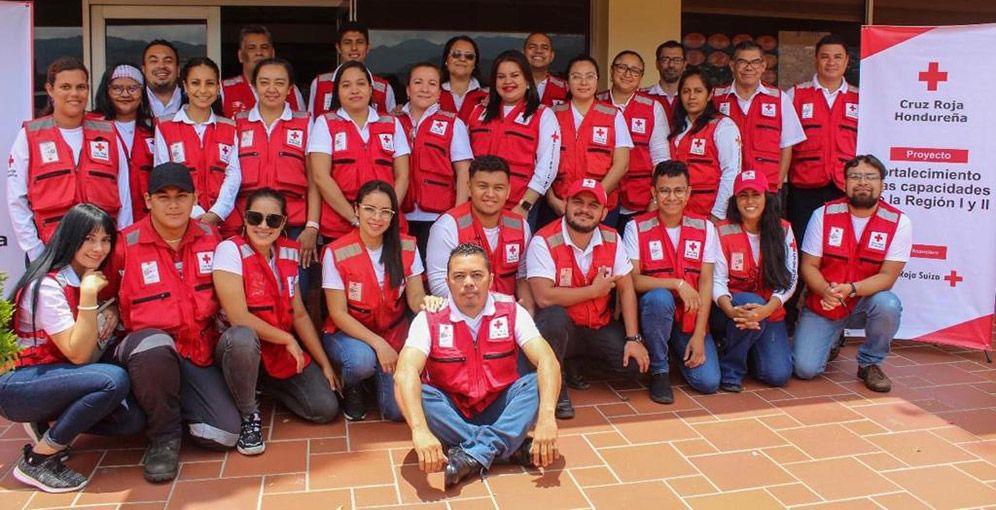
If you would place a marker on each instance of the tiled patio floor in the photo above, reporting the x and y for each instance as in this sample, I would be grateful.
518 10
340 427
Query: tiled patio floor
827 443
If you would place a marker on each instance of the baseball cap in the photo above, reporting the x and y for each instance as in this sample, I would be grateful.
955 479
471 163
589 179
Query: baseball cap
591 186
750 179
170 175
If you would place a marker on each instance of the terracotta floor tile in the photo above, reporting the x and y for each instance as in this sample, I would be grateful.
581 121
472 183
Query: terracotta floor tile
215 494
119 485
279 457
817 410
375 496
780 421
740 470
577 452
649 495
17 499
816 387
920 448
605 439
290 427
840 478
881 461
598 475
981 422
328 445
92 442
691 447
129 457
14 432
199 470
901 416
646 462
692 486
586 419
793 494
288 482
599 393
900 501
984 449
142 506
322 499
337 470
473 504
738 435
851 504
771 394
366 435
925 354
417 487
640 400
737 405
652 428
832 440
43 500
948 373
753 499
944 487
697 416
962 396
786 454
864 427
980 469
549 491
620 409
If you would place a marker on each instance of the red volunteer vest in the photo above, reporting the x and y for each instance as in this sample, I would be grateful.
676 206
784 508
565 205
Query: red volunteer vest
274 161
37 348
831 136
470 100
634 188
514 138
700 153
140 162
56 183
555 91
154 293
586 152
594 313
206 160
760 130
745 272
324 86
664 101
504 257
239 97
659 258
272 302
381 310
846 259
354 162
473 371
432 181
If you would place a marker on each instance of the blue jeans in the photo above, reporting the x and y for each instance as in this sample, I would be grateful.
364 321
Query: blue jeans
493 434
878 314
767 348
358 362
656 320
79 398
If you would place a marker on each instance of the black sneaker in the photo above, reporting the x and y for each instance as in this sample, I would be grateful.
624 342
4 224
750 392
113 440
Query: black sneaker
36 431
47 472
573 377
459 466
251 435
522 456
731 387
353 407
564 410
162 460
660 389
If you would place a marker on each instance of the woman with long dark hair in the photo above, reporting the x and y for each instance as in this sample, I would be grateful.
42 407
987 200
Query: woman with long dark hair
461 77
515 126
199 138
752 281
120 99
708 142
352 144
372 279
62 159
63 330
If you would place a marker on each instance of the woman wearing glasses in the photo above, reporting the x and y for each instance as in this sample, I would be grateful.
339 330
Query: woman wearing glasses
708 142
461 77
648 128
120 99
372 278
256 280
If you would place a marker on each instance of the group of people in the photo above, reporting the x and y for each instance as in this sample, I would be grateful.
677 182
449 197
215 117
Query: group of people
469 245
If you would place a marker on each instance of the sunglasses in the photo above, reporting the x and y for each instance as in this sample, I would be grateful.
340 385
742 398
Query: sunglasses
457 55
254 218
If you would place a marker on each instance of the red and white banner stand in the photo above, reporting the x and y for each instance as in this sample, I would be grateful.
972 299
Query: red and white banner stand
15 87
927 111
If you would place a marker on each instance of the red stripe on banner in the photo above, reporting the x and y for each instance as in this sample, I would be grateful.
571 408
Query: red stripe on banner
877 38
927 251
974 334
929 155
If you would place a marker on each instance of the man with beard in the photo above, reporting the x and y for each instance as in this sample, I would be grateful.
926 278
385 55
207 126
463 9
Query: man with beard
160 64
573 266
540 54
671 63
853 251
237 93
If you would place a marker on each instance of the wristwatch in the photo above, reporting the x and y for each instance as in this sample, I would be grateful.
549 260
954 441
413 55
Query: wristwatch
635 338
854 290
526 205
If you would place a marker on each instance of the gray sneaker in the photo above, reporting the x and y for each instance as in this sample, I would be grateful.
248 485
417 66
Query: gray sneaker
36 431
47 473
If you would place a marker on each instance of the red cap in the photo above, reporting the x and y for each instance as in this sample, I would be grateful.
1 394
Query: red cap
591 186
750 179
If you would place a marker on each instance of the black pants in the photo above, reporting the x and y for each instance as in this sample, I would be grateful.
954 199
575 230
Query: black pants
420 231
569 341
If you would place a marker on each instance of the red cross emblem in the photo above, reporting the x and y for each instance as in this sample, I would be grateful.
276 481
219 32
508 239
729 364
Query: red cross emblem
878 238
206 258
100 146
953 279
555 137
932 76
601 132
295 135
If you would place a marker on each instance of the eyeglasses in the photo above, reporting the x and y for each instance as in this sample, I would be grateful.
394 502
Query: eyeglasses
864 177
117 90
744 64
678 192
671 60
585 77
370 210
459 55
254 218
625 69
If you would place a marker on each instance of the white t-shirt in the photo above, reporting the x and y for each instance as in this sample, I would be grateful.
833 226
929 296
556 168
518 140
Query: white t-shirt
331 279
457 98
539 263
54 315
899 250
727 140
158 108
389 101
443 237
459 151
320 139
830 95
228 259
419 337
632 243
623 138
721 271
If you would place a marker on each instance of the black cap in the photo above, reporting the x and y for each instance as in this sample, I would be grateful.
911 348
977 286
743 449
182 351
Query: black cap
170 175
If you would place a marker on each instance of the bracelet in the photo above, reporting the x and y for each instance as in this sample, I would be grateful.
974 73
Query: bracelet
87 308
854 290
312 224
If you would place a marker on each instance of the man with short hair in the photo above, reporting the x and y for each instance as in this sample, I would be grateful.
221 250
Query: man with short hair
853 251
352 43
238 93
671 63
539 52
471 397
573 266
160 65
